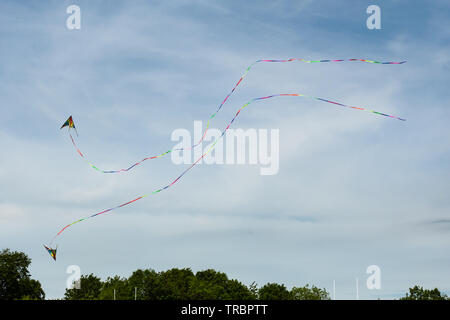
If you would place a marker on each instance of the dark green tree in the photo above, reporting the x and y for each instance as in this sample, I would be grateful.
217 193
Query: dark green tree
15 280
238 291
274 291
121 286
419 293
307 293
89 289
214 285
146 282
183 284
209 284
175 284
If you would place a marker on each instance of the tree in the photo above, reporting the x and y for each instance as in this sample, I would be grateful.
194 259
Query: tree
238 291
174 284
208 284
183 284
122 288
274 291
213 285
90 288
306 293
146 282
419 293
15 281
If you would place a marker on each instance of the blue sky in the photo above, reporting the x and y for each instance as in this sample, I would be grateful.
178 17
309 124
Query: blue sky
353 189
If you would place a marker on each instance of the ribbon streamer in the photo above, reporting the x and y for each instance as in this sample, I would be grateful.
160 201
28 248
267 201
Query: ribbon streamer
225 100
213 146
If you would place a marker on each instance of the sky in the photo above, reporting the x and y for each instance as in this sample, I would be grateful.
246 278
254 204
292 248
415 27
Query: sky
353 189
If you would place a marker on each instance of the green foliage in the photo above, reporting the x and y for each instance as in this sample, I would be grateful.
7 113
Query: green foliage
209 284
90 288
121 286
274 291
419 293
306 293
179 284
214 285
175 284
147 284
15 281
238 291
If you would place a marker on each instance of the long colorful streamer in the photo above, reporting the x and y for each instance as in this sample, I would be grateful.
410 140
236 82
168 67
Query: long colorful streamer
213 146
221 105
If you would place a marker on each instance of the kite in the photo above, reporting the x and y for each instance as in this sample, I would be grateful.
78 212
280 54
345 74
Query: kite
69 123
51 252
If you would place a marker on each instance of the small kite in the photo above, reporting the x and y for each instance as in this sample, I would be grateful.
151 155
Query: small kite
69 123
51 252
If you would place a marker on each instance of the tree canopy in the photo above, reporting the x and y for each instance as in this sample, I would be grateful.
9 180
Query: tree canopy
173 284
307 293
274 291
419 293
15 279
183 284
89 289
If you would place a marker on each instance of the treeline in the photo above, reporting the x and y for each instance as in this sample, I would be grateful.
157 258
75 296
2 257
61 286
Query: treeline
179 284
15 279
183 284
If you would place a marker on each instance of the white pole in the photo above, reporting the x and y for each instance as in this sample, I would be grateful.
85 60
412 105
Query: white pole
114 294
334 289
135 293
357 291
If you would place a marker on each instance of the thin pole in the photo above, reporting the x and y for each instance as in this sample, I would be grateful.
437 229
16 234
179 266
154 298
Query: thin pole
135 293
334 289
357 291
114 294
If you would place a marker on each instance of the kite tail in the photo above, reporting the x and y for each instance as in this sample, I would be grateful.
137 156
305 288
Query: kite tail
213 145
220 107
